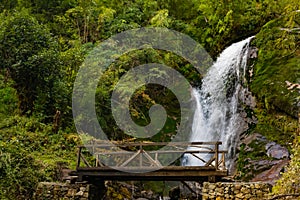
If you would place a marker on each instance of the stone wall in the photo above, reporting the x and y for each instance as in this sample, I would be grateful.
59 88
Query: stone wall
210 191
245 191
65 191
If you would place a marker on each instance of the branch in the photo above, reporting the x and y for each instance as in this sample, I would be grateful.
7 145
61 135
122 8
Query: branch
294 30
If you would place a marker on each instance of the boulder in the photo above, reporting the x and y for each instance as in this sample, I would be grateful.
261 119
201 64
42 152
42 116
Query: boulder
265 160
277 151
270 176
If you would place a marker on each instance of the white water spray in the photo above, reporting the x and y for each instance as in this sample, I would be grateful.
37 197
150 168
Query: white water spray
217 112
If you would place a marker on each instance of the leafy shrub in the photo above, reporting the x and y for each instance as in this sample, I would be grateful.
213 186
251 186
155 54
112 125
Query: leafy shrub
290 181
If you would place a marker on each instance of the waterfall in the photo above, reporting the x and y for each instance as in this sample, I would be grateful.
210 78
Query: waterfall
217 112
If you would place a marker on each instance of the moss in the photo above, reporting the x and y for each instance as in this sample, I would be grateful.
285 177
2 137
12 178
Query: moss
290 180
159 187
278 62
277 105
248 154
29 153
242 161
275 125
9 99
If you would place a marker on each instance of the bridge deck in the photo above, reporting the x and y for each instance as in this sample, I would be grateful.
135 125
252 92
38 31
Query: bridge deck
178 173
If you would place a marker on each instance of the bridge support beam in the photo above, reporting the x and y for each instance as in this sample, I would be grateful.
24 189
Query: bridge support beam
212 179
97 191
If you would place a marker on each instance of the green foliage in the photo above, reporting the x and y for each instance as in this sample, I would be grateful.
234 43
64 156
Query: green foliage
228 21
29 152
84 19
45 10
290 180
8 5
144 97
29 55
278 62
161 19
18 173
43 45
277 104
276 126
8 100
246 171
71 60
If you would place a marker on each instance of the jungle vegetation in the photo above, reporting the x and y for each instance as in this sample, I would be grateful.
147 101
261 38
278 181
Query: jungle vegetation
43 44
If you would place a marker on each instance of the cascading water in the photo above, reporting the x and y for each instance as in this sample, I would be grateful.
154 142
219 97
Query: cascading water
217 112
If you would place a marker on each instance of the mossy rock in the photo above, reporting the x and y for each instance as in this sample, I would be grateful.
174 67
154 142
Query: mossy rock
277 64
278 104
278 61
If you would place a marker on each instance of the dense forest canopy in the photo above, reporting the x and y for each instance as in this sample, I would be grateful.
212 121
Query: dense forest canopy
65 31
43 44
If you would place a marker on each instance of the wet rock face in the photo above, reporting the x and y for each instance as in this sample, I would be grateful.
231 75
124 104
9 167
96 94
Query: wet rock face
272 174
264 160
253 52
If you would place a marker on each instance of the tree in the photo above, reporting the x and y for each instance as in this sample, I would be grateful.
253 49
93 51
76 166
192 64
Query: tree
30 56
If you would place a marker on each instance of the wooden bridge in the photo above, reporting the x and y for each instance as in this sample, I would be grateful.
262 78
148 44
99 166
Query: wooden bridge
146 161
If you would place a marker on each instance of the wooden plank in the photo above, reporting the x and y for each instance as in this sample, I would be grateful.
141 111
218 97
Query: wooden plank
154 173
165 173
199 158
133 144
168 168
209 163
85 161
154 152
155 162
130 159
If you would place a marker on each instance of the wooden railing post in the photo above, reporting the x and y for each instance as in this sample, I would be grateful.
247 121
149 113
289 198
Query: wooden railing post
78 157
141 155
217 155
223 161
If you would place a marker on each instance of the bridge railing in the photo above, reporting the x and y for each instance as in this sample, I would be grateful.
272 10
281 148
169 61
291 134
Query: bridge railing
149 155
